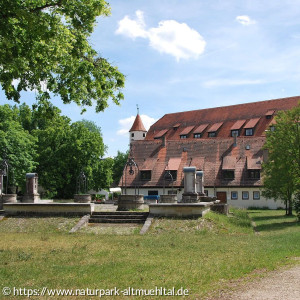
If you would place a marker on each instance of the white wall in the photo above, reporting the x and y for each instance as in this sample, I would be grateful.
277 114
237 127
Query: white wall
262 202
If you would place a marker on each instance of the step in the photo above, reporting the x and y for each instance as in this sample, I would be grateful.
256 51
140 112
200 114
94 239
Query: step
117 216
111 220
131 213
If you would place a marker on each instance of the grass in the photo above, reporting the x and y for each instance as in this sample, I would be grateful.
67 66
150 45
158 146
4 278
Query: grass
202 255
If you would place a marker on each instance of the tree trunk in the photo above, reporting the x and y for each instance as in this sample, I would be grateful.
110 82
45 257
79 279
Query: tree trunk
286 208
290 211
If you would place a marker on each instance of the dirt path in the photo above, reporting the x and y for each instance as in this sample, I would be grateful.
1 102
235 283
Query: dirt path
278 285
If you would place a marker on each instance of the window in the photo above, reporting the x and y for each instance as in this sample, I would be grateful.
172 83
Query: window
146 175
254 174
206 192
256 195
228 174
272 128
152 193
132 135
197 135
234 195
245 195
144 134
235 133
212 134
268 117
249 131
183 136
174 176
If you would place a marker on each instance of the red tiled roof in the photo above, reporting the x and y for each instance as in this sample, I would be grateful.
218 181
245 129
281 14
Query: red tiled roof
252 123
138 124
270 112
187 130
205 154
161 133
238 125
229 163
197 162
173 163
227 114
254 163
200 128
148 164
215 127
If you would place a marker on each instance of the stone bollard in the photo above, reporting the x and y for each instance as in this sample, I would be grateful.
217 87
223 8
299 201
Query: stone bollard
190 194
199 183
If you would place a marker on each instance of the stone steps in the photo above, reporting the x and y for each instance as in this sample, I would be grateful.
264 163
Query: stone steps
118 217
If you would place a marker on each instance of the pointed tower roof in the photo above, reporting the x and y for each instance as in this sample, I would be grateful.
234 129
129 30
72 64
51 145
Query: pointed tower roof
138 124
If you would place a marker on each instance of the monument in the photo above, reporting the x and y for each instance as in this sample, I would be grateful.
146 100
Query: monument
32 194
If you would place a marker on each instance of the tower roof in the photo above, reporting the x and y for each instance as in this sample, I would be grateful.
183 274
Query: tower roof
138 124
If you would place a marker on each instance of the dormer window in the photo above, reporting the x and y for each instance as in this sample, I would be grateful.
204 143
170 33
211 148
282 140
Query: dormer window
183 136
249 127
146 175
212 134
249 131
197 135
235 133
212 131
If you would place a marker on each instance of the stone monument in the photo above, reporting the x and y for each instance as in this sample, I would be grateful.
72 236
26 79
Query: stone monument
32 194
190 194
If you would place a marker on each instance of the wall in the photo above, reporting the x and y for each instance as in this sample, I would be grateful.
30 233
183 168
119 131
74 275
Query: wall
262 202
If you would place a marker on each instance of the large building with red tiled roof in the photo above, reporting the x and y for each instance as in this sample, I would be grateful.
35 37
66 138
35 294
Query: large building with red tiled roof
226 143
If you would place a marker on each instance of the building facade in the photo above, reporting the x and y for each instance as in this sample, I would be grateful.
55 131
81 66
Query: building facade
226 143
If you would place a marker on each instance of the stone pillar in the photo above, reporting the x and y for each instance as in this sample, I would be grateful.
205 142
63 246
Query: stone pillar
32 194
200 183
190 193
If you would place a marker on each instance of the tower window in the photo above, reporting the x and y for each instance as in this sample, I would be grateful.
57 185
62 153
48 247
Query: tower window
144 134
132 135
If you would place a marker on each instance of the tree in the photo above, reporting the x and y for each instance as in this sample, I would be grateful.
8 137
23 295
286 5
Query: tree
44 47
282 171
17 146
118 167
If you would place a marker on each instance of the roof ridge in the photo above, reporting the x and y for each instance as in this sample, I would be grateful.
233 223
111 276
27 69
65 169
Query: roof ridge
233 105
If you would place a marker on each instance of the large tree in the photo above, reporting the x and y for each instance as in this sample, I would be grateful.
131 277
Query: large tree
282 171
44 47
17 146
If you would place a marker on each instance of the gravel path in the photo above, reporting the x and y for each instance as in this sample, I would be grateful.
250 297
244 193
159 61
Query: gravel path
278 285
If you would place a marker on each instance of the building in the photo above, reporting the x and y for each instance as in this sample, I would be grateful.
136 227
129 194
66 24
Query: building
225 142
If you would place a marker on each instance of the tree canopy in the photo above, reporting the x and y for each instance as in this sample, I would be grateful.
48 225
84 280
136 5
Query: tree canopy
44 47
282 171
42 140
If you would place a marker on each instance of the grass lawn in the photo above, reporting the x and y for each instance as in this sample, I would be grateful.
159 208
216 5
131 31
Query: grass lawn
202 255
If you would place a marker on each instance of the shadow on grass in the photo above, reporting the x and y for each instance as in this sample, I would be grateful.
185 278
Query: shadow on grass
267 218
276 226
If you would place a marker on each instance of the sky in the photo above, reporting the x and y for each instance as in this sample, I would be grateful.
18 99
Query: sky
193 54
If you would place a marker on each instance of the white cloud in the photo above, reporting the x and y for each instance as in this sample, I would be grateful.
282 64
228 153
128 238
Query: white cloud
170 37
231 82
128 122
245 20
133 28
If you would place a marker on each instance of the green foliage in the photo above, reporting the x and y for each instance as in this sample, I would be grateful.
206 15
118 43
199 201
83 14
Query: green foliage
282 171
64 149
17 146
118 167
44 47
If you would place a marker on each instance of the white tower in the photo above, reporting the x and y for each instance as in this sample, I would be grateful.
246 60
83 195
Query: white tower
137 131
